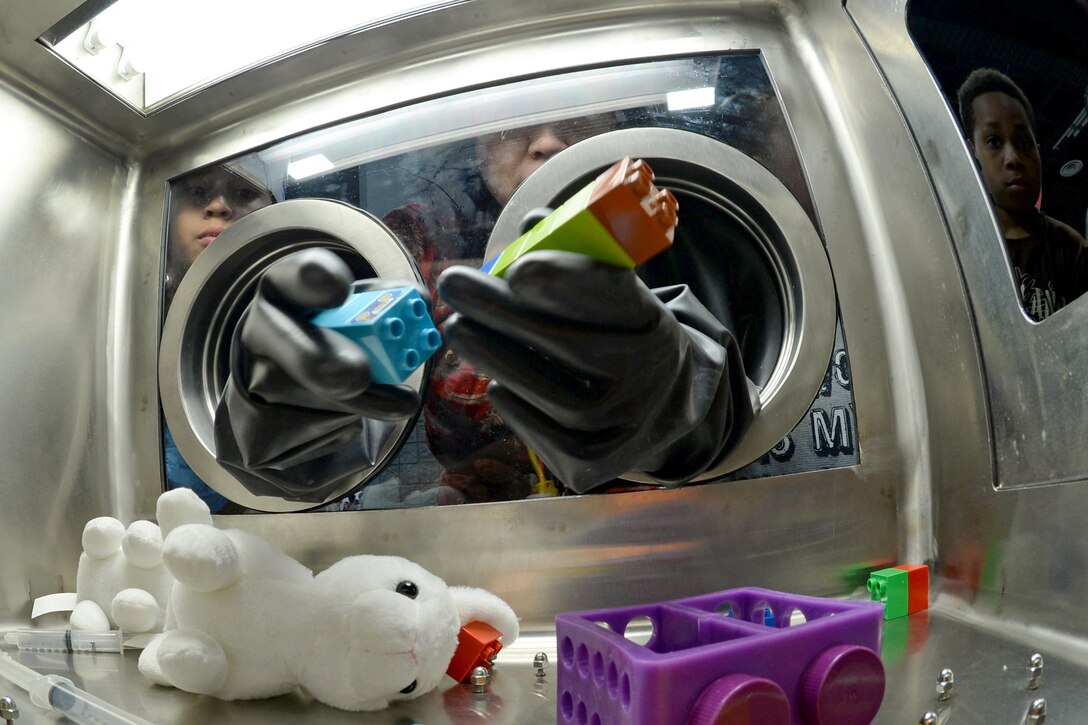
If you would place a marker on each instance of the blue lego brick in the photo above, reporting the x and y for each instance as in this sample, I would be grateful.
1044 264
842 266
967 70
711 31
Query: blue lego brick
391 325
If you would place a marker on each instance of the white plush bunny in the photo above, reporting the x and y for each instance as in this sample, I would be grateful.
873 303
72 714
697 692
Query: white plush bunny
247 621
120 579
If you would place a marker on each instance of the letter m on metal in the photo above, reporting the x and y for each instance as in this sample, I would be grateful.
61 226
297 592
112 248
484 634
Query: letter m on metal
832 435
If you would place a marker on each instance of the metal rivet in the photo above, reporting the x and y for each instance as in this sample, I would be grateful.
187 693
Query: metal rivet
945 682
1037 712
930 718
540 663
480 679
8 710
1035 671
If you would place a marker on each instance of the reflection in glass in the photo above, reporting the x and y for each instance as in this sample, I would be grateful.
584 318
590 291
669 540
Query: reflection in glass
1048 257
202 206
438 174
1018 78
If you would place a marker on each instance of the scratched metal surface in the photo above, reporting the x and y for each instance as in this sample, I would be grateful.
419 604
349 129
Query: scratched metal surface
990 671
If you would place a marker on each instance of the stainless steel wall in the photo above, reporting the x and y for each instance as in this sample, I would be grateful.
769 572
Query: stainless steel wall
79 416
62 254
1010 549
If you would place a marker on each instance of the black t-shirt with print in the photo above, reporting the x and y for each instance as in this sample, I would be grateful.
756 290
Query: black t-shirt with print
1051 267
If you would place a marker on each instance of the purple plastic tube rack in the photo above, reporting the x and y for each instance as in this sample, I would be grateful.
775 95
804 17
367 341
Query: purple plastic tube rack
714 659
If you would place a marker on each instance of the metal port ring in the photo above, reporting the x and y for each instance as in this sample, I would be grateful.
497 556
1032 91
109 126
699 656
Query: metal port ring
755 199
210 299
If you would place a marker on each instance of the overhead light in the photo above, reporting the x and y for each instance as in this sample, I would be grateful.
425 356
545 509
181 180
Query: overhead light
97 38
1071 168
183 47
691 98
129 66
310 166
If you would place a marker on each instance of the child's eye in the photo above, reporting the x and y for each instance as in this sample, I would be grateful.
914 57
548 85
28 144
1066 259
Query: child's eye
197 194
245 195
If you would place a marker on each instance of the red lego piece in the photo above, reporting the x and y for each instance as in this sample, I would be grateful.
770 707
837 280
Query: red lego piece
477 645
638 215
917 586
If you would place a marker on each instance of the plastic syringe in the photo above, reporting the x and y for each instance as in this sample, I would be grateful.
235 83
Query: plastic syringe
65 640
52 692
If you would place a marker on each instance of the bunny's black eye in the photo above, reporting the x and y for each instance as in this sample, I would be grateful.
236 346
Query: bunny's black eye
411 687
410 590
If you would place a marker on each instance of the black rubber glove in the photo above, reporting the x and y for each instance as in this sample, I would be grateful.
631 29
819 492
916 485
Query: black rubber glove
299 413
596 372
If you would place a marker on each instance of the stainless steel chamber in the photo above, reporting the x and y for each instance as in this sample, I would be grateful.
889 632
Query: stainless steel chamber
938 419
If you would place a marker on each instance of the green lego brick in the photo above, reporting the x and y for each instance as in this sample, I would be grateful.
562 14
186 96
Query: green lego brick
570 228
891 587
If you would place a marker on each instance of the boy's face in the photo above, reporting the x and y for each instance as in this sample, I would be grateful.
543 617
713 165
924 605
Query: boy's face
1007 152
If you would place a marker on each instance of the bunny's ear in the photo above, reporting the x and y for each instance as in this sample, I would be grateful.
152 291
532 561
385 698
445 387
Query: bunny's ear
480 605
181 506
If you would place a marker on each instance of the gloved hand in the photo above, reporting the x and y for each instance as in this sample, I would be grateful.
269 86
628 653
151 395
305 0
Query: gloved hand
299 413
596 372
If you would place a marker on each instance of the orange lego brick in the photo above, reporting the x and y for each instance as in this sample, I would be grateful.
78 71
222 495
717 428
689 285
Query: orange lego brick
639 216
477 645
917 586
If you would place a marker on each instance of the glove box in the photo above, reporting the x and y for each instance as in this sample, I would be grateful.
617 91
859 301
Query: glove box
446 189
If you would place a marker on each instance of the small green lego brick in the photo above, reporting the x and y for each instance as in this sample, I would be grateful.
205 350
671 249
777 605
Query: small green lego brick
890 586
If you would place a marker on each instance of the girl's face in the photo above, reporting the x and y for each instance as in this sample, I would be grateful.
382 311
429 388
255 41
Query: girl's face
205 205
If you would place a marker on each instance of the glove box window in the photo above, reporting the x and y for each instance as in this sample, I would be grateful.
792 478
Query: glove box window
438 176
